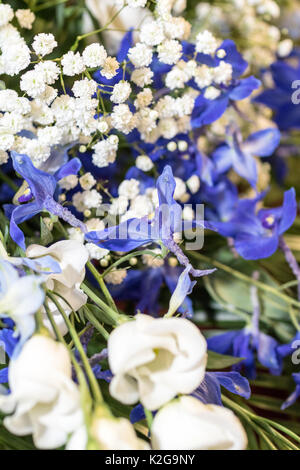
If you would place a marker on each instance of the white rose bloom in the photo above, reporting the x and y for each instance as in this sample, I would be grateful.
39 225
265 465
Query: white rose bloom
72 257
155 359
44 400
117 434
108 434
187 424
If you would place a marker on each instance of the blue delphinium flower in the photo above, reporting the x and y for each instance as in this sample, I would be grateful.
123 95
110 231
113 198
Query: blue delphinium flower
8 342
41 189
161 229
285 350
239 154
209 391
244 343
150 280
257 234
285 77
207 111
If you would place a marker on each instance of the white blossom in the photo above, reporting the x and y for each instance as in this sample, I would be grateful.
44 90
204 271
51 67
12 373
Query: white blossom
6 14
152 33
187 423
144 163
72 63
206 43
140 55
44 400
25 18
155 359
43 44
169 51
94 55
121 92
110 67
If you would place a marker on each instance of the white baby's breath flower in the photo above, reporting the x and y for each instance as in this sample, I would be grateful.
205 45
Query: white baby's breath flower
25 18
116 276
110 67
6 140
144 98
121 92
152 33
222 74
43 44
94 55
123 119
140 55
6 14
3 157
87 181
72 63
203 76
15 58
48 70
68 182
211 93
169 51
118 205
105 151
129 188
91 198
33 83
206 42
84 88
142 76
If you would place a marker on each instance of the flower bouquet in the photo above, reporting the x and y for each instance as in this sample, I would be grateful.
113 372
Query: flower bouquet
149 247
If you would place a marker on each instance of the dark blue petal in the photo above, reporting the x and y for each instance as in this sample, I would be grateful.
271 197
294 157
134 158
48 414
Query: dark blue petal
234 382
70 168
126 44
209 391
256 247
262 143
245 87
207 111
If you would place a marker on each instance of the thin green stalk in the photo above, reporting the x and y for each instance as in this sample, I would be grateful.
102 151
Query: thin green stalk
102 285
126 258
112 314
246 278
93 320
96 31
92 379
49 4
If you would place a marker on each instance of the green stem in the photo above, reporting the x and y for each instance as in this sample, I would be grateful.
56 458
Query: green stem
96 31
93 320
246 278
92 379
102 285
8 181
112 314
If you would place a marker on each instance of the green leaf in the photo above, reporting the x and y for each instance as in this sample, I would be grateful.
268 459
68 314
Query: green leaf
218 361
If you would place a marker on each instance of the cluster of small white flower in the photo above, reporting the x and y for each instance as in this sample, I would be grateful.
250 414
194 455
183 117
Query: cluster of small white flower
80 117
